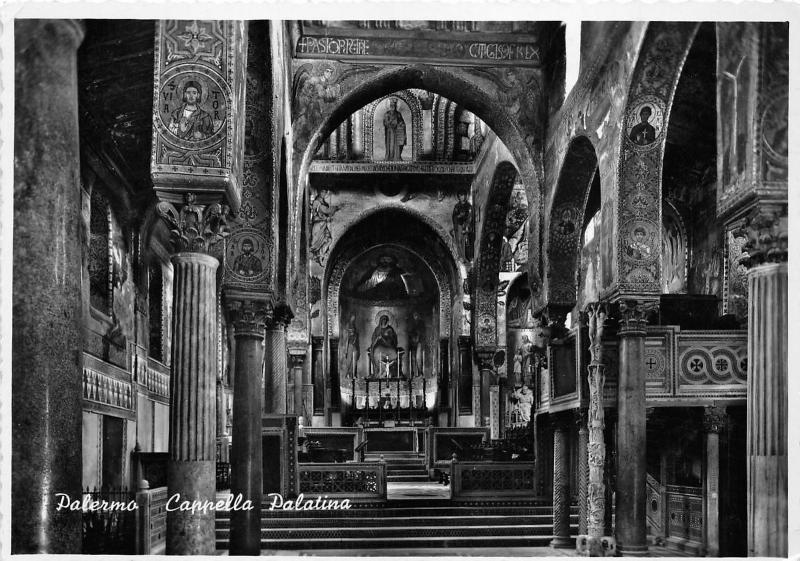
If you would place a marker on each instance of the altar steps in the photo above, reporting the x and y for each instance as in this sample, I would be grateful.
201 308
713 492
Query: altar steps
402 466
399 526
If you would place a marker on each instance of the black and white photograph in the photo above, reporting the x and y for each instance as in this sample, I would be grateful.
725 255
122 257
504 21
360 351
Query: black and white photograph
429 287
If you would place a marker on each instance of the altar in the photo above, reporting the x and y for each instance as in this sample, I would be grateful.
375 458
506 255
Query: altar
387 402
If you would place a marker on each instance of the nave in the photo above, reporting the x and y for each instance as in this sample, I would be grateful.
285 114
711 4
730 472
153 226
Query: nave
423 267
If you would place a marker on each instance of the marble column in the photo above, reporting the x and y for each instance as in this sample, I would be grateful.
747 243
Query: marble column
358 135
713 425
631 523
583 468
275 375
596 448
248 316
464 374
767 388
485 380
47 335
494 412
561 474
191 465
297 358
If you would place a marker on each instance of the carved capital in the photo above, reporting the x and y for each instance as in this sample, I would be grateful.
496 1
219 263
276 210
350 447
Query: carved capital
767 236
714 419
297 360
249 316
194 227
297 353
282 316
485 358
556 319
633 316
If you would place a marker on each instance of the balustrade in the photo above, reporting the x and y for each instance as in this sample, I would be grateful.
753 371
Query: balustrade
353 480
685 513
506 480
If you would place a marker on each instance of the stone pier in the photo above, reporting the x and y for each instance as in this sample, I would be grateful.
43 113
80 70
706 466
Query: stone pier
47 316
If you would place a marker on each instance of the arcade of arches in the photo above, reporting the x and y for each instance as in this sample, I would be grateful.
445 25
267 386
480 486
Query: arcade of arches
390 261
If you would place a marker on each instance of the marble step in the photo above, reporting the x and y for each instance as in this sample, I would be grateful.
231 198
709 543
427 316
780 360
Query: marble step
393 532
407 478
403 542
486 520
404 509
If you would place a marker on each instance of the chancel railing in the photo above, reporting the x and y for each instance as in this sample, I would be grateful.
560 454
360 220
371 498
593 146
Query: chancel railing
655 507
685 514
355 481
500 480
109 521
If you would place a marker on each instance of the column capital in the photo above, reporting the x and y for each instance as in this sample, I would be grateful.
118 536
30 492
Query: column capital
281 317
714 419
297 353
486 358
633 316
249 314
555 318
766 230
67 33
194 227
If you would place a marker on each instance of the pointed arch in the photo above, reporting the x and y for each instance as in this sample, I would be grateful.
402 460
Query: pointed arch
650 95
566 220
487 276
481 95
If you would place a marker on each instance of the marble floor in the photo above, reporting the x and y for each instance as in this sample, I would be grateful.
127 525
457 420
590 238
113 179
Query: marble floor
416 490
429 552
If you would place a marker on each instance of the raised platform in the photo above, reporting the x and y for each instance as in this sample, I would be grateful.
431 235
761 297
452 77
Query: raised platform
403 524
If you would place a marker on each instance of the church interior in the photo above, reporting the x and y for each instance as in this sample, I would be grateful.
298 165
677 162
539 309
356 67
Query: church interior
492 286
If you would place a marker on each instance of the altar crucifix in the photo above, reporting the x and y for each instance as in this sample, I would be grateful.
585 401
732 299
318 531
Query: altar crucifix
386 365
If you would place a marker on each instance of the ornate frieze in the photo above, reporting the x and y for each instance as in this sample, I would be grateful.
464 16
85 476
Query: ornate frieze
440 50
194 227
198 109
422 167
